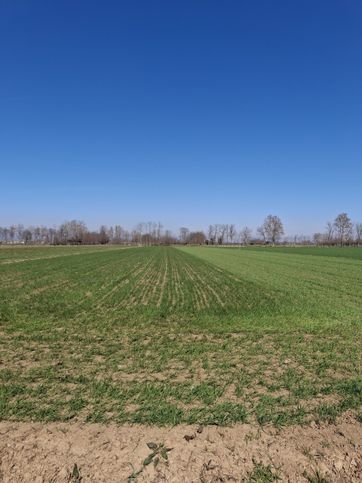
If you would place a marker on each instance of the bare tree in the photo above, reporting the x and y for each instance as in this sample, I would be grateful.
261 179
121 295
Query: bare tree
303 240
232 233
12 233
358 230
261 232
168 238
6 234
159 231
138 233
343 226
118 234
318 239
103 235
184 234
52 235
273 228
27 236
245 235
222 230
329 232
227 233
197 238
211 235
19 232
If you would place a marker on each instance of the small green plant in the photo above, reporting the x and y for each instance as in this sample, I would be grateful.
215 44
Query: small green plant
158 451
75 477
262 474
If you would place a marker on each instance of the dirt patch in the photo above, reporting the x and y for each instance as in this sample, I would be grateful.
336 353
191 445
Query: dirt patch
49 452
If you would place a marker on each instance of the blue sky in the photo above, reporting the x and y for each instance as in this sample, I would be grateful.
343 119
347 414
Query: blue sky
190 112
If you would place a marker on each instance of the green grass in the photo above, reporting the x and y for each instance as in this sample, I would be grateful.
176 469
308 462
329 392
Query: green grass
170 335
344 252
17 254
262 474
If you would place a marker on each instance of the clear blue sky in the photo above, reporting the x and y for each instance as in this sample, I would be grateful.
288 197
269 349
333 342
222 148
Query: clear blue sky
187 112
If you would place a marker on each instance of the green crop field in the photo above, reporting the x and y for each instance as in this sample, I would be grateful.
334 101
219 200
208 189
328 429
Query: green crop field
165 335
345 252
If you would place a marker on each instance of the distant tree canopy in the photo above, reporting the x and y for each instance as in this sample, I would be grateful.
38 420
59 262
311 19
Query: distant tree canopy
75 232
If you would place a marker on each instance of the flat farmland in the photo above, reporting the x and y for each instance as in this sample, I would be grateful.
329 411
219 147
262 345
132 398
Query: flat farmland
180 336
168 335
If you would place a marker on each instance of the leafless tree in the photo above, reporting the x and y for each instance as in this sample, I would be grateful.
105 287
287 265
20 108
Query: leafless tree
329 233
159 231
168 238
197 238
52 234
245 235
27 236
273 228
19 237
118 234
303 240
103 235
138 233
358 230
261 232
184 234
226 233
318 239
69 232
213 231
12 232
232 233
343 226
6 234
222 231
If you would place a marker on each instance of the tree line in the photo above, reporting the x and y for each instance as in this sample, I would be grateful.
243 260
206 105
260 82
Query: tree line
342 231
75 232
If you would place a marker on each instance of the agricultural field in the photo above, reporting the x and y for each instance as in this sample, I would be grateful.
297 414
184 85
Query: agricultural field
345 252
167 336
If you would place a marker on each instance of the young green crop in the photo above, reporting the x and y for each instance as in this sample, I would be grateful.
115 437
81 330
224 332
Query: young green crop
163 335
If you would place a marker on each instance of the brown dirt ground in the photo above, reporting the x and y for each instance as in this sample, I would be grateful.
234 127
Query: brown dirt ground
35 452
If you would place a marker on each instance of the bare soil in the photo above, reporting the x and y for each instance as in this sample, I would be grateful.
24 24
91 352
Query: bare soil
36 452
